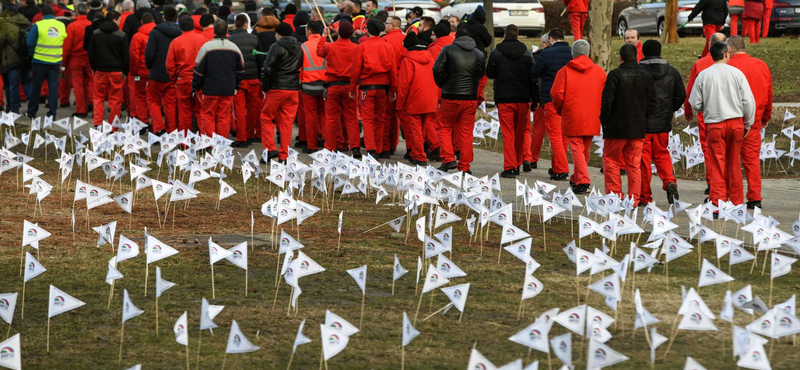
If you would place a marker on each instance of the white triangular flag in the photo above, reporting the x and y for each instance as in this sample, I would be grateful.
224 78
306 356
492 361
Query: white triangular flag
237 342
710 275
696 320
754 358
181 329
61 302
207 314
532 287
448 268
300 339
433 279
156 250
129 310
32 233
444 217
608 286
512 233
127 249
409 333
478 362
573 319
161 284
125 201
398 269
333 341
562 348
692 364
359 274
216 253
11 353
534 336
32 267
338 324
238 255
8 302
457 294
112 273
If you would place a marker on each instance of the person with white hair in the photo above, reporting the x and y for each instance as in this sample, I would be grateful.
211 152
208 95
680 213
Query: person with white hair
577 92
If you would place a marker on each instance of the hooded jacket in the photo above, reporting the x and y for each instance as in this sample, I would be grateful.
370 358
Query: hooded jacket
265 31
415 92
73 44
108 49
155 54
628 98
182 54
437 46
281 69
477 30
10 42
219 68
96 19
669 94
133 22
138 44
577 92
458 69
339 56
550 61
510 65
247 43
299 23
714 11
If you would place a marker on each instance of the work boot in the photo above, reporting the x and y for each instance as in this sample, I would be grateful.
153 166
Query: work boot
754 204
309 150
272 154
707 191
560 176
508 174
239 144
300 144
357 153
448 166
384 155
434 155
580 188
672 192
526 166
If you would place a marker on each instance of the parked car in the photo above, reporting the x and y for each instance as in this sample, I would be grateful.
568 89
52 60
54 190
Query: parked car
528 15
647 17
401 7
785 17
329 7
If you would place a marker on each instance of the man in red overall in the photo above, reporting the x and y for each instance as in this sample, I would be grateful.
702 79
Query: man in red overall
340 109
180 67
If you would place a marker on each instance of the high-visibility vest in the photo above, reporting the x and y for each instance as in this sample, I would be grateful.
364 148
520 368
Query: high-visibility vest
49 45
312 76
413 27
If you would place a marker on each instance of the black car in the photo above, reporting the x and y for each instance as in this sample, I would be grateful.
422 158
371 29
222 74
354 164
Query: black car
785 17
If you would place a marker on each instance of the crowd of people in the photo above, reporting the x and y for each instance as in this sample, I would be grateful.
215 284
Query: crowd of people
259 72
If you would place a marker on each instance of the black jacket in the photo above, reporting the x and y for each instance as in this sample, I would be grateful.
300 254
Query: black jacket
477 31
550 61
714 11
510 66
281 69
219 68
458 69
247 43
108 49
155 53
97 18
134 21
627 98
669 94
29 11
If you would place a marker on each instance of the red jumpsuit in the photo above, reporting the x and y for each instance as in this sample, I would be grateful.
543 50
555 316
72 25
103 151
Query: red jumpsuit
735 17
373 82
340 109
312 79
577 92
139 71
76 59
435 48
392 116
768 5
578 12
760 80
416 99
751 20
698 67
180 67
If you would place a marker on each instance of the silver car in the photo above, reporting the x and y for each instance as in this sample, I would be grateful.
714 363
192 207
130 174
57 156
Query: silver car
647 17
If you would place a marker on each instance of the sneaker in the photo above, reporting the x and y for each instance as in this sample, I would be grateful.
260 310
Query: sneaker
526 166
672 192
551 172
754 204
239 144
508 174
357 153
448 166
707 191
560 176
580 188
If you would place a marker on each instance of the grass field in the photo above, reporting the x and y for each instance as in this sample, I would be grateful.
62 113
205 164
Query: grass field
88 337
776 52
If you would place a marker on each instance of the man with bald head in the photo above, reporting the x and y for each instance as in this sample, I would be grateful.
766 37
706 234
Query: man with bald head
698 67
632 38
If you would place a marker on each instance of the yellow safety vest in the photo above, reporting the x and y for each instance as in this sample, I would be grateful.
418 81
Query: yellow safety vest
49 45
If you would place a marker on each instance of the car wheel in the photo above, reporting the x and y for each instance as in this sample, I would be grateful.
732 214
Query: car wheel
622 26
661 27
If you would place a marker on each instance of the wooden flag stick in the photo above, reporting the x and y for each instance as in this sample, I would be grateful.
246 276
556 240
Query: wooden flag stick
460 316
437 311
213 291
291 357
418 305
364 295
225 356
392 287
246 275
199 344
146 275
48 333
402 348
187 356
156 314
110 294
22 313
121 339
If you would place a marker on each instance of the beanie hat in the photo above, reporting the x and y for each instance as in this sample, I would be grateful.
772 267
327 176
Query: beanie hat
96 5
375 26
290 9
442 28
345 29
651 48
300 19
284 29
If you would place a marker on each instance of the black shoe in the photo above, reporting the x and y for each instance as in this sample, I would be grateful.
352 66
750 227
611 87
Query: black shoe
468 172
601 169
90 107
80 115
551 172
508 174
516 171
560 176
384 155
419 163
309 150
391 152
534 165
272 154
448 166
707 191
300 144
239 144
643 204
64 105
623 172
434 155
124 107
672 192
580 188
372 153
526 166
716 215
407 155
357 153
754 204
458 155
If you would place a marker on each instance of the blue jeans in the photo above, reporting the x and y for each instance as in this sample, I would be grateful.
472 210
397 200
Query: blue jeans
40 72
15 76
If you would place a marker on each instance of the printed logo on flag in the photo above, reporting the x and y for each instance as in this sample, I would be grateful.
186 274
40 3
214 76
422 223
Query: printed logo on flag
58 301
711 274
785 323
7 352
600 354
32 232
4 304
696 318
533 286
445 267
574 318
457 294
766 325
237 254
237 340
608 286
333 339
535 334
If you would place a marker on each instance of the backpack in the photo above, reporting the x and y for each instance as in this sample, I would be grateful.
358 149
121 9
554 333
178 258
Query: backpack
22 48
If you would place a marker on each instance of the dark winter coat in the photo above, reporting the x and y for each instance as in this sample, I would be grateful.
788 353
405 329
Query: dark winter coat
669 94
281 69
458 69
219 68
10 42
714 11
550 61
247 43
510 66
155 53
108 49
627 100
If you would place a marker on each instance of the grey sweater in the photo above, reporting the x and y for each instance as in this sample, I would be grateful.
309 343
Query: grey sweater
722 92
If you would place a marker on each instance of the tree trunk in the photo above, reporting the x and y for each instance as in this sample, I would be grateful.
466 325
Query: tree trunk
488 5
600 33
671 23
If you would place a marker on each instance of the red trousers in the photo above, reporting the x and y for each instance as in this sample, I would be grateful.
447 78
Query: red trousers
215 115
629 150
314 110
655 150
247 110
186 105
577 20
735 24
724 150
579 145
708 30
390 127
456 117
415 136
140 109
280 108
482 88
552 122
107 87
752 29
162 94
751 161
81 74
765 22
701 129
513 121
301 120
372 105
537 135
340 119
